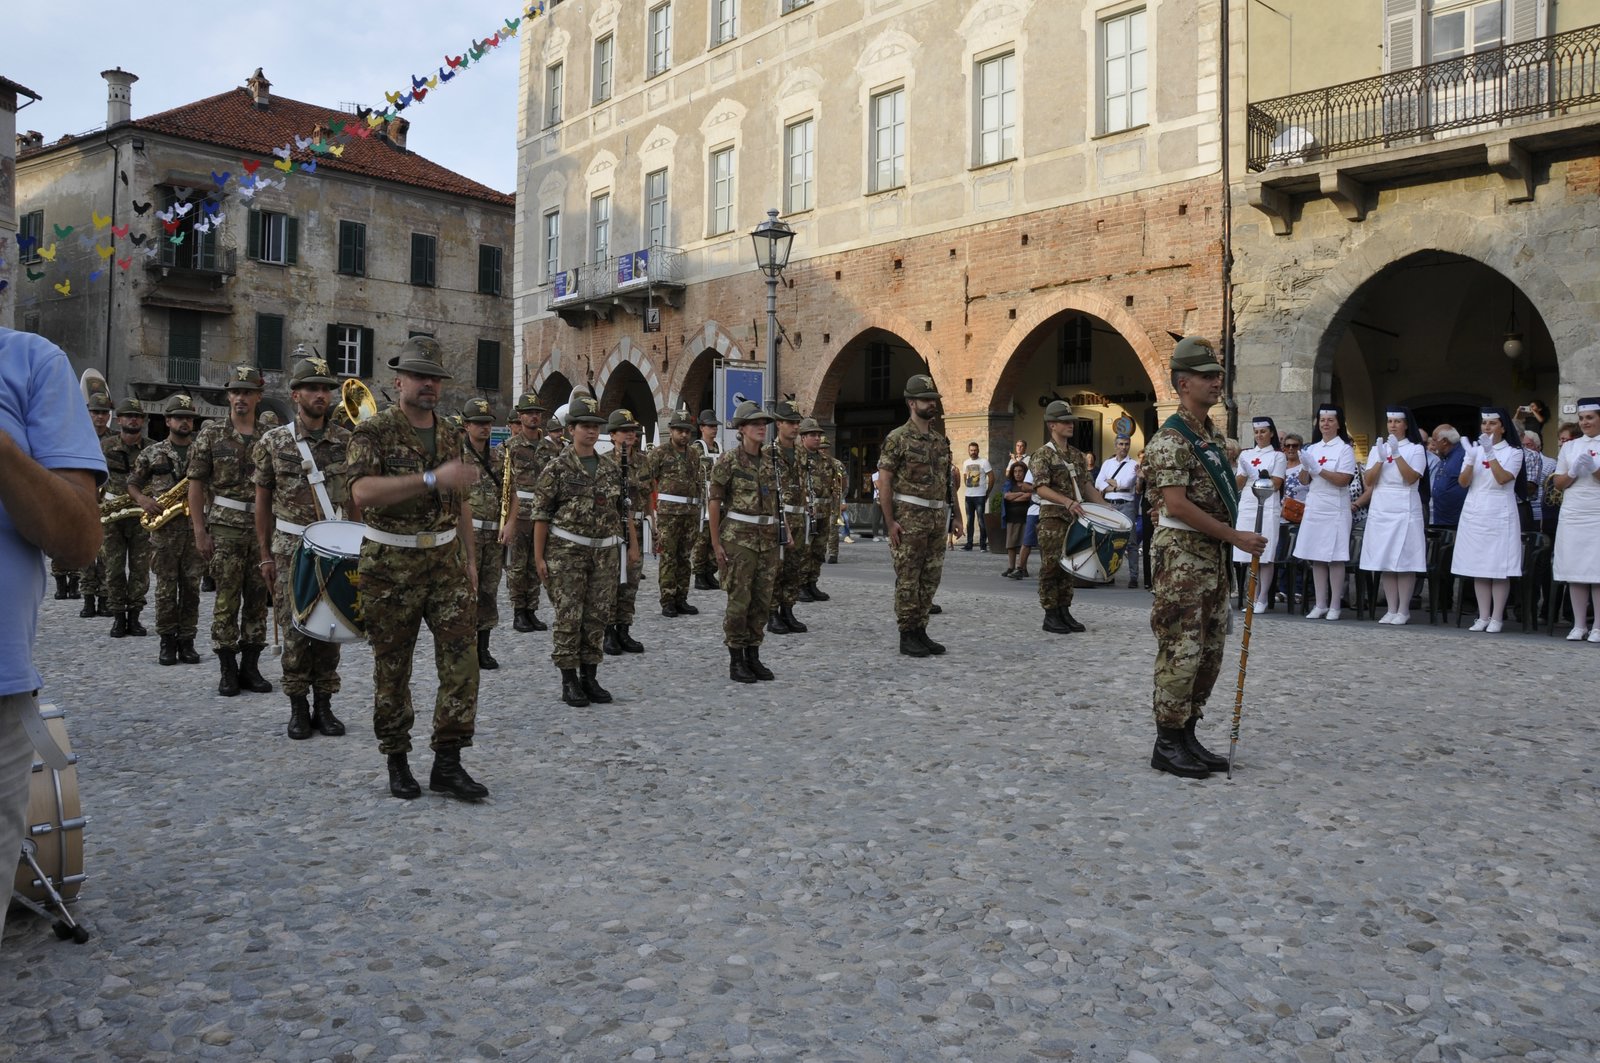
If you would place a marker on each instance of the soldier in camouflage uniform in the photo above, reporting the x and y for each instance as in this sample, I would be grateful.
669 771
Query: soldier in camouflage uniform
914 470
705 561
287 500
1061 481
816 477
127 545
526 462
1197 502
745 509
177 563
88 581
407 477
785 451
624 430
679 482
577 536
221 466
835 503
485 498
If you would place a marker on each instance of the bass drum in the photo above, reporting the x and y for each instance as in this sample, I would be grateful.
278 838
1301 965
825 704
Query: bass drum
55 822
325 583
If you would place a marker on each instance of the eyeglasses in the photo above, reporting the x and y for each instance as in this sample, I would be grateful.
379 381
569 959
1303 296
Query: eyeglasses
1291 446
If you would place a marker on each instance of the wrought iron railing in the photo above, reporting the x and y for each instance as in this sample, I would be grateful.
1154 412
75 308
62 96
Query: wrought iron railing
181 370
618 274
1530 79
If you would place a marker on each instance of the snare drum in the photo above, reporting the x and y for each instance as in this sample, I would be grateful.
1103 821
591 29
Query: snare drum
55 822
1096 542
324 586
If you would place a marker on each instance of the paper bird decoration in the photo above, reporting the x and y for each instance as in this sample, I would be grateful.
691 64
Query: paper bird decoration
336 126
100 220
124 263
493 42
202 226
309 166
96 275
150 252
452 61
210 206
139 239
119 231
218 220
183 209
419 95
177 241
48 253
124 175
320 147
392 97
86 238
25 242
183 194
511 25
166 215
104 252
220 179
417 83
64 231
301 143
140 208
65 287
250 166
375 119
284 164
247 192
34 276
336 150
283 152
171 226
446 75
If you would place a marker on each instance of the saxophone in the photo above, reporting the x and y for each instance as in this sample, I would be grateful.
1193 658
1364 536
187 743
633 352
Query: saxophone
117 507
507 494
174 503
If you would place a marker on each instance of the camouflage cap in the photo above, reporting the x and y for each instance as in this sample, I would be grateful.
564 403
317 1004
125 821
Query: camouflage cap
785 410
583 409
478 411
421 356
622 421
681 419
921 387
312 370
1195 354
243 378
100 402
529 403
1059 410
809 426
750 413
130 407
179 405
708 418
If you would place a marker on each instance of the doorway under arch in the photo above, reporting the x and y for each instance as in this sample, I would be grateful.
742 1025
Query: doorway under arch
862 393
626 388
555 390
698 391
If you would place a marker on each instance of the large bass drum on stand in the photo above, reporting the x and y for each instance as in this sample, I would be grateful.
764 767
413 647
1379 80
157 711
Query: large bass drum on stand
50 869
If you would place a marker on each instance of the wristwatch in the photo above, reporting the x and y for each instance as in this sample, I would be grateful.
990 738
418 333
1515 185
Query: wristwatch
430 480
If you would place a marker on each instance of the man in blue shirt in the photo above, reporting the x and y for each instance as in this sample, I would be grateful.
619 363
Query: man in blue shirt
1448 494
50 462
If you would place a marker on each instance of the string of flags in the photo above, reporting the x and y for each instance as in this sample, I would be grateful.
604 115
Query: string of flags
63 259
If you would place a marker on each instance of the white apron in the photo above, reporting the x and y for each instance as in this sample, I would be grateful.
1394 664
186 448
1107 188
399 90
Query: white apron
1394 539
1325 529
1577 556
1489 536
1251 462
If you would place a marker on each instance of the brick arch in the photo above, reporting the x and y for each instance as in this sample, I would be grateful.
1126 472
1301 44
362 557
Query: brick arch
1006 367
550 367
711 337
632 354
820 391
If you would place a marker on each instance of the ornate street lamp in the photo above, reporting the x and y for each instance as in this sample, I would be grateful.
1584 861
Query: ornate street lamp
772 240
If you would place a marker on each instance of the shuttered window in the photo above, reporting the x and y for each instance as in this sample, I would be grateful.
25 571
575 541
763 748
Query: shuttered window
274 238
423 250
353 248
489 270
350 350
269 342
488 376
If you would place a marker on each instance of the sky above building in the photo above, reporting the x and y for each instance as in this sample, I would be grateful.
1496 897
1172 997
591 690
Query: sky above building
328 53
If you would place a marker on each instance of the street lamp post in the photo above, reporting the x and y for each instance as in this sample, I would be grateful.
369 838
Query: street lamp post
772 240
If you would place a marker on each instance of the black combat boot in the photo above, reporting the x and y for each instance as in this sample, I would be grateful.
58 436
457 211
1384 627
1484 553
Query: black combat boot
187 653
627 641
1065 614
612 647
522 620
752 657
299 727
1172 755
209 586
684 607
935 648
89 608
572 689
228 685
250 677
739 665
534 623
119 626
776 625
935 609
134 627
61 589
401 782
72 586
804 593
669 608
486 660
591 685
817 593
449 777
1053 622
702 582
1201 753
322 717
169 650
912 646
789 618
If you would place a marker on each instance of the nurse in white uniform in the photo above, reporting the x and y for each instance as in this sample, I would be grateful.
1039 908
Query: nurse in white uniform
1266 456
1489 536
1328 465
1577 556
1394 543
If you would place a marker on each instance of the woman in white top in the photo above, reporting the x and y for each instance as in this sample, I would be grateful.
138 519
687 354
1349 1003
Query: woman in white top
1265 457
1577 556
1394 543
1489 535
1328 465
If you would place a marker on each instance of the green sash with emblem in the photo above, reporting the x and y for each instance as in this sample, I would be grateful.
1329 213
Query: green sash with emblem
1213 460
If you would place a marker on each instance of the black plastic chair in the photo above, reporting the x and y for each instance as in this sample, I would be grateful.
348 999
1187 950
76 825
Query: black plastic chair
1293 571
1441 549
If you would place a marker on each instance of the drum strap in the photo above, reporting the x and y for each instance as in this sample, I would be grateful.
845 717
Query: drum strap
40 736
1213 461
315 476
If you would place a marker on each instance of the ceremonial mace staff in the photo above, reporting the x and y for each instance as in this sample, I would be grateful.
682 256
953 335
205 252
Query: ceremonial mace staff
1263 489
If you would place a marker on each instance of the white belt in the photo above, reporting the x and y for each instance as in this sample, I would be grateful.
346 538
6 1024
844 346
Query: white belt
1119 498
751 518
641 516
1173 522
682 500
233 503
798 511
291 529
918 500
420 541
485 525
526 496
584 540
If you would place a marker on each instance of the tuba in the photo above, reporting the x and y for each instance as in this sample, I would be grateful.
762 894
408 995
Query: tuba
356 402
174 503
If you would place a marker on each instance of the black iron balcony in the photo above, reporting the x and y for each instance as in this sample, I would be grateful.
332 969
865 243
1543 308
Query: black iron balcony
1543 78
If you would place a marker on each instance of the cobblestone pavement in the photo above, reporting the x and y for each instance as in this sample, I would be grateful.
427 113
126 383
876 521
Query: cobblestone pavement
874 859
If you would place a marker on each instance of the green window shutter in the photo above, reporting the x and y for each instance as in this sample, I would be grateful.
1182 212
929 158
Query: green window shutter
368 342
489 271
360 249
269 342
430 251
291 240
347 258
416 258
331 351
488 365
253 241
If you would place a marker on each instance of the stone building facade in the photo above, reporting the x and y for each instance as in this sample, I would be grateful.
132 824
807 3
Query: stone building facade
13 97
1022 197
175 268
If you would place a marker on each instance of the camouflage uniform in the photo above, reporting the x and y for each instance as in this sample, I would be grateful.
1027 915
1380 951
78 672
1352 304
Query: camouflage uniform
91 578
583 578
221 460
177 562
704 563
126 550
786 590
817 469
675 472
401 587
920 463
485 499
308 664
835 504
1065 472
744 484
522 579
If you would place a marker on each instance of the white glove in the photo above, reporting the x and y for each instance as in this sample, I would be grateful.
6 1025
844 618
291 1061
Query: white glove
1470 459
1394 443
1583 464
1486 441
1381 448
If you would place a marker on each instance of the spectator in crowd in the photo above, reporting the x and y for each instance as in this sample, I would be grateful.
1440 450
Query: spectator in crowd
977 480
1445 490
1328 466
1538 468
1577 553
1296 489
1016 497
1019 451
1551 502
1395 542
1489 535
1117 481
1265 457
1030 530
1533 416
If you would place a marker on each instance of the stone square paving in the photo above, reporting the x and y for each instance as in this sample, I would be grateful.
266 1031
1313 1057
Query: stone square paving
875 858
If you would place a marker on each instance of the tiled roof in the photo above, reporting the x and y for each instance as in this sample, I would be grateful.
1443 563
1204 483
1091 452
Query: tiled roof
21 90
232 120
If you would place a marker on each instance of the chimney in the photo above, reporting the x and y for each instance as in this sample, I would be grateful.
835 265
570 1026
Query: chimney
29 140
119 96
396 131
260 88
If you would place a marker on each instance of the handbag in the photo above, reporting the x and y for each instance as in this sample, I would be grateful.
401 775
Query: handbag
1293 510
